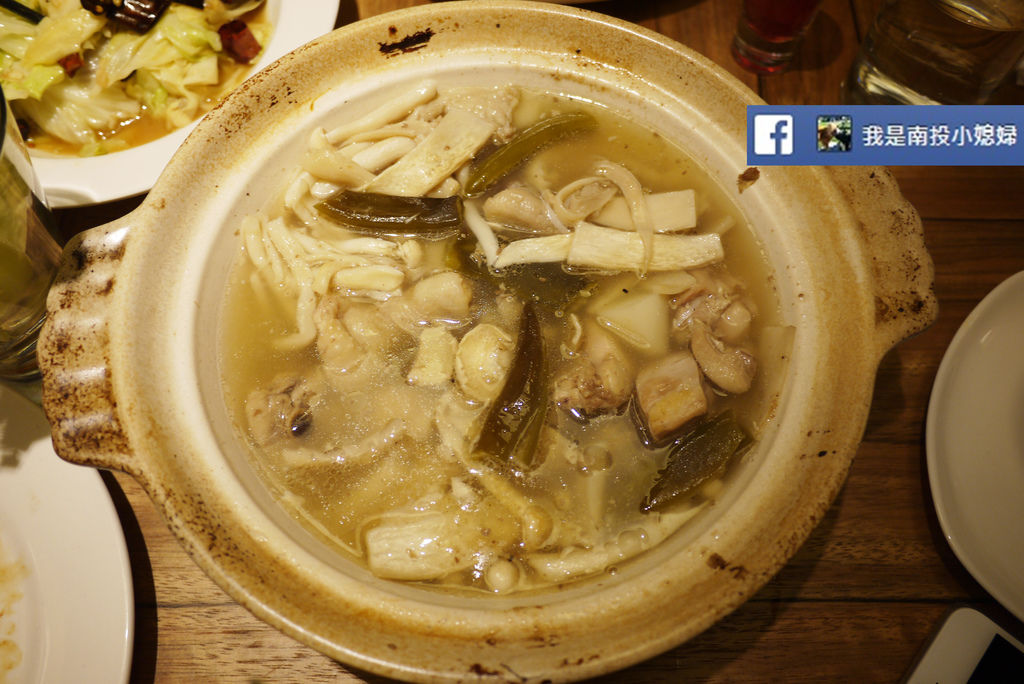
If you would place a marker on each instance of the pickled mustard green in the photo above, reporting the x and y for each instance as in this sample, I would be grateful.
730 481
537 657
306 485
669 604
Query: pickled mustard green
394 216
700 455
523 146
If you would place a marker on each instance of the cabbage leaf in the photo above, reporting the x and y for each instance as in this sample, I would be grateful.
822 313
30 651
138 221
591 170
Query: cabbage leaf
181 36
78 112
57 37
15 34
19 83
217 13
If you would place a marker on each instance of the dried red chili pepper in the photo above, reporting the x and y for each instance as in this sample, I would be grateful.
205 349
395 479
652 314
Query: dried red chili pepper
71 63
138 15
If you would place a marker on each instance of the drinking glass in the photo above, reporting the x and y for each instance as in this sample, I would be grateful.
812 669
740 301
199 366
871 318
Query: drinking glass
936 52
770 31
28 254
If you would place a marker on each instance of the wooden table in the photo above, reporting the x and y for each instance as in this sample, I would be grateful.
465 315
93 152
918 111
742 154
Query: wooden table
860 598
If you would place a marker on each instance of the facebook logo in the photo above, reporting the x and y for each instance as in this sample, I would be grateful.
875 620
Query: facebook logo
885 135
773 134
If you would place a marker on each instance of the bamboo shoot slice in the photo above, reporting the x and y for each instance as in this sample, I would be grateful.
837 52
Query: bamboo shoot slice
669 211
540 250
413 548
454 141
615 250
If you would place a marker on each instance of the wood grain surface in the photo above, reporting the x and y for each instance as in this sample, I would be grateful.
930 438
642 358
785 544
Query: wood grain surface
863 594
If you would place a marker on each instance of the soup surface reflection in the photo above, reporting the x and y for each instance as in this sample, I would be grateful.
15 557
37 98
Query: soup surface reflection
495 339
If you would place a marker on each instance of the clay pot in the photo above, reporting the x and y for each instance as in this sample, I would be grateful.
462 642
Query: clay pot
131 378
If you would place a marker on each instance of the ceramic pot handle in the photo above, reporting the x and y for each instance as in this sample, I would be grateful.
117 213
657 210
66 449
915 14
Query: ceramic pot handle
74 351
904 275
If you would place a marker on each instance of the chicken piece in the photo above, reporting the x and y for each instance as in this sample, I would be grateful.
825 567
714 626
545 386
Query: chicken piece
407 403
706 300
522 209
338 350
357 453
458 423
282 410
435 358
577 200
670 394
443 296
372 329
734 323
599 379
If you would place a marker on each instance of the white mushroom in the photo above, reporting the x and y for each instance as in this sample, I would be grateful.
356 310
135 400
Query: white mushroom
326 163
729 368
538 526
383 153
501 575
482 361
368 279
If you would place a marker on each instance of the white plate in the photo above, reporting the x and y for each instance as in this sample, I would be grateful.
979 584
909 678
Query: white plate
975 443
75 620
79 181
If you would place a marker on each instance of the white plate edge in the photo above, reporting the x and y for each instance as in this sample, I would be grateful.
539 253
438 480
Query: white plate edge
105 507
942 378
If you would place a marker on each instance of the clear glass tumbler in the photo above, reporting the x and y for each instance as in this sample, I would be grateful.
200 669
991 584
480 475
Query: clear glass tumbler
29 254
936 52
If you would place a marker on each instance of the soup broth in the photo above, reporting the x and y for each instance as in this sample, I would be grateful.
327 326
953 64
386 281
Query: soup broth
493 373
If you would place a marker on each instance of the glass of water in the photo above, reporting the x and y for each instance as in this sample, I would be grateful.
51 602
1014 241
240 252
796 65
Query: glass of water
936 52
29 254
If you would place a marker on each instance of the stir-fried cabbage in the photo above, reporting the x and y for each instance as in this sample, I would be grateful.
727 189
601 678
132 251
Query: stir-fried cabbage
79 78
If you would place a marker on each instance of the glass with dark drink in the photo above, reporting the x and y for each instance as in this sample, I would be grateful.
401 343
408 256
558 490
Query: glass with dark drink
770 31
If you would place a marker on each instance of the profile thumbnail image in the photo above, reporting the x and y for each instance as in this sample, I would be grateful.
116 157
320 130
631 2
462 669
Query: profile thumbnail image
835 133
